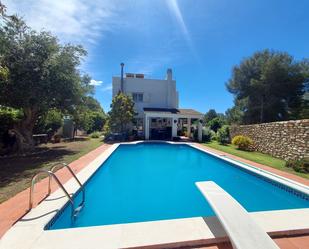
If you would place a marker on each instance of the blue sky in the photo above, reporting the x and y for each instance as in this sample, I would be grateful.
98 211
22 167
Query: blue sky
201 40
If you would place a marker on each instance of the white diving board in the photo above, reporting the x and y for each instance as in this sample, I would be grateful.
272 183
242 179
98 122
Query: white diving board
243 231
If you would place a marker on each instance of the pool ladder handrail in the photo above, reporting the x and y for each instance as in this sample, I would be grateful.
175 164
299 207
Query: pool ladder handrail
51 175
55 167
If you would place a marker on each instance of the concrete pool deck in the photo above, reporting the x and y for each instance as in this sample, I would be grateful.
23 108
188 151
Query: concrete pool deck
194 229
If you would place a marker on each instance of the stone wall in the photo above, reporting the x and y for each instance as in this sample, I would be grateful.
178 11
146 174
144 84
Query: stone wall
286 140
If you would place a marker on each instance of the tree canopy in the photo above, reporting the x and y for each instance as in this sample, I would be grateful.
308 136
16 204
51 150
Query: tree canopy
268 86
37 74
216 123
211 114
214 120
122 113
89 115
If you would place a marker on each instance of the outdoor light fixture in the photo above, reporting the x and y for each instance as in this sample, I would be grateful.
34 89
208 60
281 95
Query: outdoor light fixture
175 121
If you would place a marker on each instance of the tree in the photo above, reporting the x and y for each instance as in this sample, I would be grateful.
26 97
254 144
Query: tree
216 123
269 86
235 114
211 114
89 115
223 134
303 111
98 121
38 73
106 127
122 113
49 122
92 104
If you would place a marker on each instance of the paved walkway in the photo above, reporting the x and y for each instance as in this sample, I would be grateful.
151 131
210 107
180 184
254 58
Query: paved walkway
14 208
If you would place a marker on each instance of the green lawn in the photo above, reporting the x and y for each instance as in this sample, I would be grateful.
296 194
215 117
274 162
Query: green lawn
16 172
255 157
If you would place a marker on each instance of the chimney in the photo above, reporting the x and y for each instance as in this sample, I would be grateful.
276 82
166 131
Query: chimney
169 74
121 79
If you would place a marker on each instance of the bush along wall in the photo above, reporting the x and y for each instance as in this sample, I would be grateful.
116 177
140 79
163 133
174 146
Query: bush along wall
288 140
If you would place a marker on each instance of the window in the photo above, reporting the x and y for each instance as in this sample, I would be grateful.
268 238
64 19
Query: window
137 97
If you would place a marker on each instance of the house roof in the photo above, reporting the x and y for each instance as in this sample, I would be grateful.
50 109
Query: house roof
173 111
189 112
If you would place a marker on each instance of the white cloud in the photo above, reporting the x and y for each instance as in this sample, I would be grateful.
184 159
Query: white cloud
75 21
96 82
87 22
107 88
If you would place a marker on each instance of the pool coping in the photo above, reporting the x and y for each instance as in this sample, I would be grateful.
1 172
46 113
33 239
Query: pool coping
29 231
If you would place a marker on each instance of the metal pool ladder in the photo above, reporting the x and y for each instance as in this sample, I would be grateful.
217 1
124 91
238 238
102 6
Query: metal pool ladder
51 174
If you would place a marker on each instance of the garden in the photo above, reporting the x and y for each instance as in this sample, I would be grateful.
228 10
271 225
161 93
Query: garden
216 135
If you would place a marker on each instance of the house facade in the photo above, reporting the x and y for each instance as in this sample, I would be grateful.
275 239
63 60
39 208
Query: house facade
156 102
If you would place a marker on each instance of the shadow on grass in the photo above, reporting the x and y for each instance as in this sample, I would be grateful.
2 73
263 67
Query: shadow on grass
16 169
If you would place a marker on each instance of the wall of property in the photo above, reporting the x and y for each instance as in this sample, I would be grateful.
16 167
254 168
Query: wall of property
286 140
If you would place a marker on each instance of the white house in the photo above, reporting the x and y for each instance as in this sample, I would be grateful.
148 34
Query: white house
157 106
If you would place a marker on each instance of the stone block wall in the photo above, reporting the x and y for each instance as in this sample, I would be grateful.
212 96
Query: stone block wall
286 140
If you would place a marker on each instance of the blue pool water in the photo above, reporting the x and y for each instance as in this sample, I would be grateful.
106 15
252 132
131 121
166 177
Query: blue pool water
147 182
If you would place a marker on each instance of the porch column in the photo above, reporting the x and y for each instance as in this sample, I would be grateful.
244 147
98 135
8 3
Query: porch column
146 127
189 127
200 131
174 127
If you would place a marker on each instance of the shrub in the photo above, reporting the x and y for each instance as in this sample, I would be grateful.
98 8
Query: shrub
223 134
49 122
213 135
206 134
53 120
206 137
216 123
8 117
242 142
95 134
301 166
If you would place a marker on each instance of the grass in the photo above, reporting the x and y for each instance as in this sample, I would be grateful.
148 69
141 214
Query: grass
254 156
16 172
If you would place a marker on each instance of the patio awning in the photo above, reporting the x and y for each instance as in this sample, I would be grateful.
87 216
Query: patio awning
181 112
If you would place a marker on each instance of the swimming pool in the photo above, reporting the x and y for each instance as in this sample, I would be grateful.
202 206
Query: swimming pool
155 181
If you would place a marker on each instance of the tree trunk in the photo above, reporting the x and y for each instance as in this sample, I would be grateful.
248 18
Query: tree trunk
24 130
262 109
